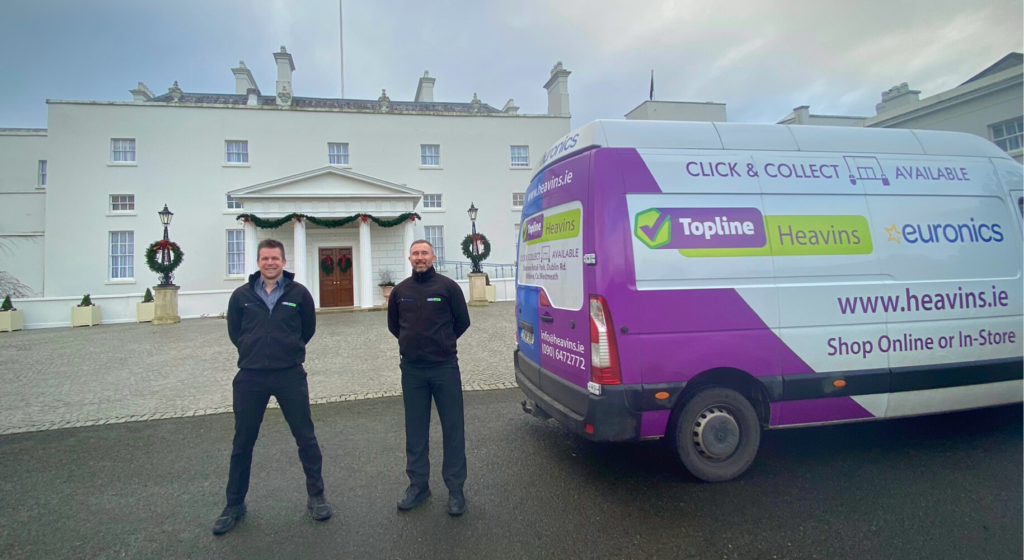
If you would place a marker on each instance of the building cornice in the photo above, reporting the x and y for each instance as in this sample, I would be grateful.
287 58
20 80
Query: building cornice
293 109
23 132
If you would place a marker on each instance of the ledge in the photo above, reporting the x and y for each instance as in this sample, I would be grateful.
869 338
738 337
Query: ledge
122 164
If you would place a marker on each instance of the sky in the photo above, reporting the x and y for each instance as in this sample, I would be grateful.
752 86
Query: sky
760 57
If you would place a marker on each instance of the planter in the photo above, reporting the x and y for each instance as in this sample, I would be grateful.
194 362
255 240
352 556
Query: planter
386 291
144 312
492 293
85 316
11 321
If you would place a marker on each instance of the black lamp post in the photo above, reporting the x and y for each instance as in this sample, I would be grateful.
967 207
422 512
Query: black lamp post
476 249
165 251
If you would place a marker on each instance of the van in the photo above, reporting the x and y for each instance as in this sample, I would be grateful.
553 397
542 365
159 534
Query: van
702 282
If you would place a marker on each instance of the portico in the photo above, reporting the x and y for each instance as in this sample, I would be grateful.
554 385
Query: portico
338 264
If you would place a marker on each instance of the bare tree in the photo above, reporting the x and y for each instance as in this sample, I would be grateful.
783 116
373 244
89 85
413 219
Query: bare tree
9 285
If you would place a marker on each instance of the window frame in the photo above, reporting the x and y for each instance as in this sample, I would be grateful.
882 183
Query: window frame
512 157
228 152
440 200
345 153
424 155
129 264
41 172
1018 135
228 200
522 200
228 252
436 241
129 199
114 151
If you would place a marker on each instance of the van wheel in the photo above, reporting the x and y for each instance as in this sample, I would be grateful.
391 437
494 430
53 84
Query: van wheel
717 434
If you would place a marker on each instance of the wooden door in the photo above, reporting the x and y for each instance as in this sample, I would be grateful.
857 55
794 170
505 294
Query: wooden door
336 288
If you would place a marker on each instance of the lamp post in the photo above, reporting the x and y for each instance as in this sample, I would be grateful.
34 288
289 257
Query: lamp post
476 249
165 252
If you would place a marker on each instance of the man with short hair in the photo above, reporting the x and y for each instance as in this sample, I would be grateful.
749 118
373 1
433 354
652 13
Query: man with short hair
427 313
270 320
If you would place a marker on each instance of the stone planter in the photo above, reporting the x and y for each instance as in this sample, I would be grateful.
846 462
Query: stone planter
477 290
492 293
166 301
144 312
11 321
85 316
386 292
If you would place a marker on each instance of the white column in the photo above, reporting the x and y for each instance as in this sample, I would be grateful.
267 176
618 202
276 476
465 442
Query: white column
300 252
408 237
366 283
250 247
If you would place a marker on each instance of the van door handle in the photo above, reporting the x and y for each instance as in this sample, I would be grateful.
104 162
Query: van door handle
547 318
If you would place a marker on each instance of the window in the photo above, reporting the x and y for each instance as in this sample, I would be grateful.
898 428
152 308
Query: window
430 155
1007 135
122 150
236 252
520 156
435 235
337 154
234 204
432 201
122 203
42 173
237 151
122 255
517 199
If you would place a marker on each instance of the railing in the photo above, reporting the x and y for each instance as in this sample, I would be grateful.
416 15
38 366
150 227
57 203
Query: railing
457 270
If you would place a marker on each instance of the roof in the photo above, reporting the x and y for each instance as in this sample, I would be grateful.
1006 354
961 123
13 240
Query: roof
768 137
325 103
1005 63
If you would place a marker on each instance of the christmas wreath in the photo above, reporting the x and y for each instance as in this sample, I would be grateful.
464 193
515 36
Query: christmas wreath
467 247
152 256
327 265
345 264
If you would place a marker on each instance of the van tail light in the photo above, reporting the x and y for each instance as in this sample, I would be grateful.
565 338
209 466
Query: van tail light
604 352
544 301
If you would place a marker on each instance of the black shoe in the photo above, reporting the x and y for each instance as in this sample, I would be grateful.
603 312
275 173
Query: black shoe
319 507
456 504
413 497
228 518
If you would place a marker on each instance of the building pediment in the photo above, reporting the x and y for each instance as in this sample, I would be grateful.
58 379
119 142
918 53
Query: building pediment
327 182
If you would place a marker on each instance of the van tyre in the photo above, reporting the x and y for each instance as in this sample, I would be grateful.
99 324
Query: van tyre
717 433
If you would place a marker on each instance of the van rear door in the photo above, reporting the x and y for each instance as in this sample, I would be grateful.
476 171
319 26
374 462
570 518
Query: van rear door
552 314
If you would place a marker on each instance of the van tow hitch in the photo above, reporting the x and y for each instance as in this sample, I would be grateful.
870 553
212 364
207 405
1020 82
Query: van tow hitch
531 408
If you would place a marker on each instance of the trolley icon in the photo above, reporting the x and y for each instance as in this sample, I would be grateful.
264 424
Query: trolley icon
865 168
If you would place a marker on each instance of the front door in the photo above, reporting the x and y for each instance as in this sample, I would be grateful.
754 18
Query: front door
335 285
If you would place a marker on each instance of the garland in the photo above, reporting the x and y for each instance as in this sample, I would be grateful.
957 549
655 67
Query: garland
268 223
177 255
467 247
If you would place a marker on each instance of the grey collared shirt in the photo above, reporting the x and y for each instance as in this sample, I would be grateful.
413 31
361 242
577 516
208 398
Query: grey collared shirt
274 295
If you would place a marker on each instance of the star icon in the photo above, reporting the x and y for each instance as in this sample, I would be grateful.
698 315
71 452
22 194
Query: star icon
894 233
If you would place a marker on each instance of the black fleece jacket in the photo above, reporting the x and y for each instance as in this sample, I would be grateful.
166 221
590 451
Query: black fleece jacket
271 339
427 313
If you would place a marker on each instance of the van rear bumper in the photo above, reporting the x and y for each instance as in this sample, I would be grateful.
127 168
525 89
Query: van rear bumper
613 414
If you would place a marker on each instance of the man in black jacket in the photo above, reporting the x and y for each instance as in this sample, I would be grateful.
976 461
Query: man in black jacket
427 313
270 320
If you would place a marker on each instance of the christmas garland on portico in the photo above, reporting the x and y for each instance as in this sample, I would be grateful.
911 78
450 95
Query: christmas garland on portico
467 247
268 223
154 264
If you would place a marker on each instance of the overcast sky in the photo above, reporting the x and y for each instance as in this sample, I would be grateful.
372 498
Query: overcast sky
761 57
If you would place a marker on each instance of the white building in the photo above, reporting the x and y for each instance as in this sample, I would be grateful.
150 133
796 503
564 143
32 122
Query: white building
110 166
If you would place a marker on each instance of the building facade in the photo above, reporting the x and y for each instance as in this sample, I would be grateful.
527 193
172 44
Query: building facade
111 166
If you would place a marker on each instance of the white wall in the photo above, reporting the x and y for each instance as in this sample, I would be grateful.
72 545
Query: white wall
180 162
56 312
20 152
678 111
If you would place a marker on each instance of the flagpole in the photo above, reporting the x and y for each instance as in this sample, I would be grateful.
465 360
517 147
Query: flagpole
652 84
341 35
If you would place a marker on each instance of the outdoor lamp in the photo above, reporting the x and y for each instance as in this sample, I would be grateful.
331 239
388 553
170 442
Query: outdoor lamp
165 216
472 211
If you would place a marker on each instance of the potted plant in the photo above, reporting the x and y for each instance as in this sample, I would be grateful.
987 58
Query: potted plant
10 318
146 309
85 314
387 283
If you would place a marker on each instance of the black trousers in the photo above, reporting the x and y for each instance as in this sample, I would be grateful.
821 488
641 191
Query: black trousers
251 391
443 383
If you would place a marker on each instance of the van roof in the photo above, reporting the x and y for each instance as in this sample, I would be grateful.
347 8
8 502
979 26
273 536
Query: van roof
767 137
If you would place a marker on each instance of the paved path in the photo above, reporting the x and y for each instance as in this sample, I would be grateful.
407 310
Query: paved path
58 378
936 488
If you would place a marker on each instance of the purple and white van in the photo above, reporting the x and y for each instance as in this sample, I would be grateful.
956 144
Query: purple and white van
702 282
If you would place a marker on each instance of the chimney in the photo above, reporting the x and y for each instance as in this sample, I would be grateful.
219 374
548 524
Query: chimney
510 108
141 93
558 91
285 67
425 89
896 97
802 114
253 95
243 79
